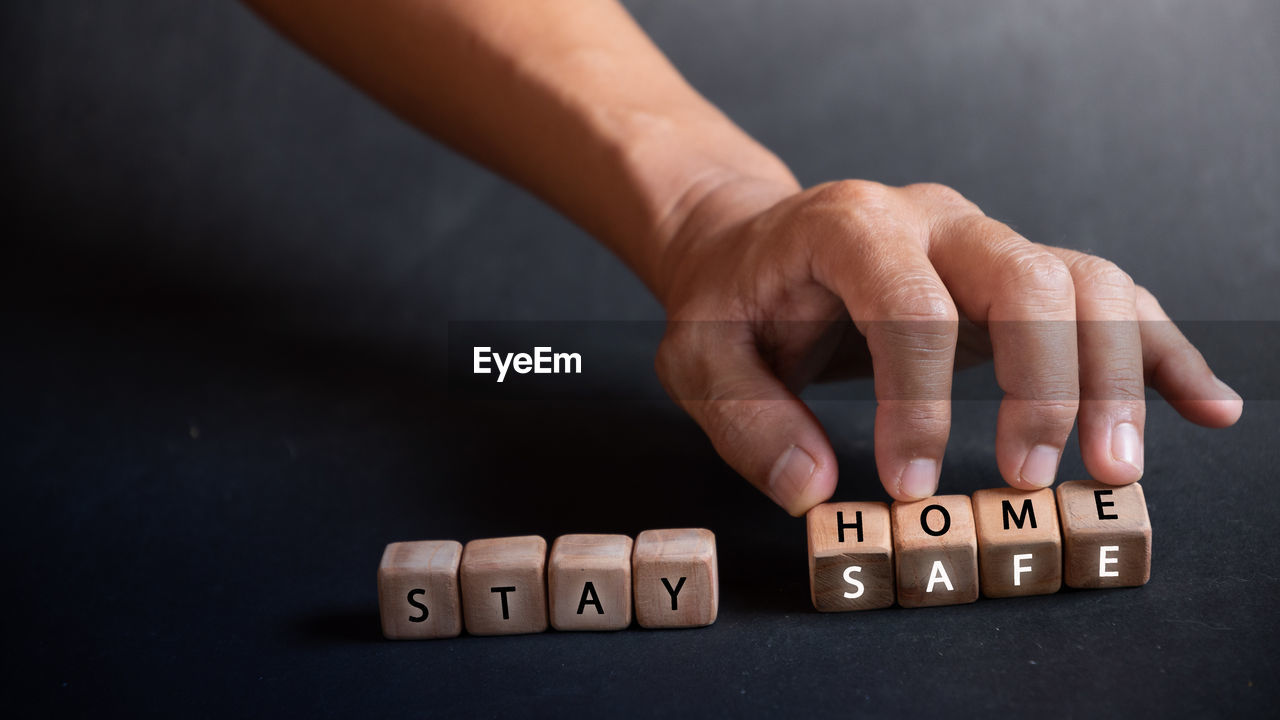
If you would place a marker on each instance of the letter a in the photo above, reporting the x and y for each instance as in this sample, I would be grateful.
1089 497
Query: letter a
589 597
938 575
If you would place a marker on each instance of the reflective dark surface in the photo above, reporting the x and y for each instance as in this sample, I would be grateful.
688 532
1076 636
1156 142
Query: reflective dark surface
227 289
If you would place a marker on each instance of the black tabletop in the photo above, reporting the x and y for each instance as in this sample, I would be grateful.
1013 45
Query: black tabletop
235 295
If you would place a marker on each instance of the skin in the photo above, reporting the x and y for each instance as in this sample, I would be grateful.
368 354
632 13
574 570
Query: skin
767 285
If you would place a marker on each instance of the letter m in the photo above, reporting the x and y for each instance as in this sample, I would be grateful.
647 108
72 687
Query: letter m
1027 513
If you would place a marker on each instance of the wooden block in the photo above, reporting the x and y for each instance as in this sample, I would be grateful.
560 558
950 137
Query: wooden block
675 578
504 589
850 556
589 577
1106 533
1019 545
936 551
418 590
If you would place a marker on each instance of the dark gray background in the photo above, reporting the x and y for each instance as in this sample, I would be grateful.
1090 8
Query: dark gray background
227 286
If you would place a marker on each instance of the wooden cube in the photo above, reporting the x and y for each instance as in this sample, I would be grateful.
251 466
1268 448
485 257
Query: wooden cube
850 556
589 577
418 590
504 589
1019 545
1106 533
675 578
935 551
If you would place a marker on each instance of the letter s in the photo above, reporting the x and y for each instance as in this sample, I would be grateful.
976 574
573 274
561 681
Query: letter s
420 606
848 577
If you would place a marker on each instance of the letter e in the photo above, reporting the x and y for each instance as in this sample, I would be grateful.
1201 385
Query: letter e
1104 560
481 364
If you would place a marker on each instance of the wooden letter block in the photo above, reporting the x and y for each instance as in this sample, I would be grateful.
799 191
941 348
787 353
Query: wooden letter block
418 590
675 578
850 556
590 582
1019 546
936 551
504 589
1107 534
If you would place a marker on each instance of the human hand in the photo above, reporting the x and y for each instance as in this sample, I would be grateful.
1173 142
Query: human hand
760 278
574 102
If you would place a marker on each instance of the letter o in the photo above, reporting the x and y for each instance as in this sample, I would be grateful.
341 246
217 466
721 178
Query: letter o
946 520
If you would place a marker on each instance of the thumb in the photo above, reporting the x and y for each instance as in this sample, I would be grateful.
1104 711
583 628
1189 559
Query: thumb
714 371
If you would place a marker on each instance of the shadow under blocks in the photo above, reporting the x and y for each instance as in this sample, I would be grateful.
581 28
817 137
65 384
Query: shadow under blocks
947 549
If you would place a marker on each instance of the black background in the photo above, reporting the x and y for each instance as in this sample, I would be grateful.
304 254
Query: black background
228 282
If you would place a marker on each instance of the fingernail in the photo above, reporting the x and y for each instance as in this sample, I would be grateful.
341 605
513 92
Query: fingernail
790 475
1126 445
1226 388
919 479
1040 466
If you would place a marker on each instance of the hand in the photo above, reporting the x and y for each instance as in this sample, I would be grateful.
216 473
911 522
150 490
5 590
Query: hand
760 279
574 102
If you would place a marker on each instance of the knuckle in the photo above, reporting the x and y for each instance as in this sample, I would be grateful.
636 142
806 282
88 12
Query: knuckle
921 417
846 209
1103 277
944 195
916 318
853 192
1122 386
732 414
1057 413
1032 273
917 298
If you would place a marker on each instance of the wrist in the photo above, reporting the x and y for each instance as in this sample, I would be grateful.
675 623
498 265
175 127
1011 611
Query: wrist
718 202
693 172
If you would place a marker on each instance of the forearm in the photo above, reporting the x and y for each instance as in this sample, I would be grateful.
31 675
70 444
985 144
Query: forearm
568 98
